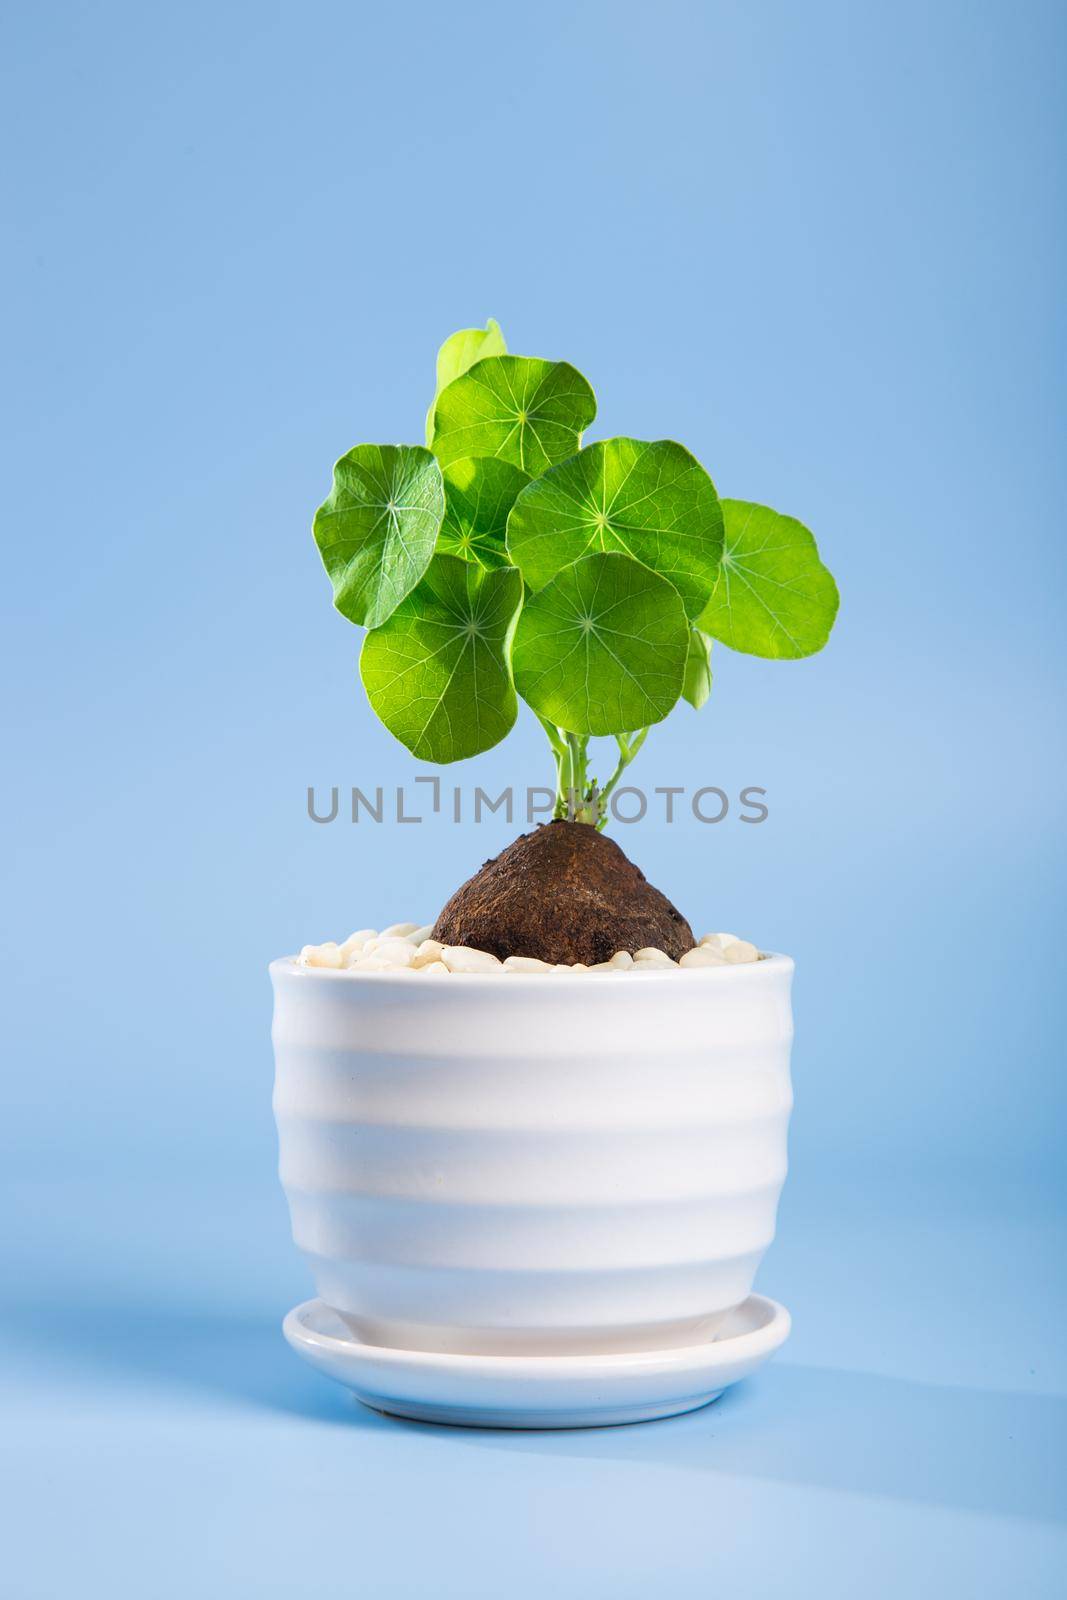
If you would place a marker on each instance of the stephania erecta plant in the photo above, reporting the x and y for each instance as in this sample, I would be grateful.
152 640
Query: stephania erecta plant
505 559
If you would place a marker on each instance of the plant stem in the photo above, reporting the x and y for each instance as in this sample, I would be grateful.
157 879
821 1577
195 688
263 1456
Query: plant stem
628 748
560 753
583 806
572 762
577 797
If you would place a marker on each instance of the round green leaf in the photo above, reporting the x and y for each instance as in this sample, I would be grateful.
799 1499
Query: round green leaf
479 493
376 532
437 671
528 412
774 597
458 353
654 502
697 669
602 648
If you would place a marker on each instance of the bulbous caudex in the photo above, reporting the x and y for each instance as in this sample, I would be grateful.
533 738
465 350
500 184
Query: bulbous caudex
564 893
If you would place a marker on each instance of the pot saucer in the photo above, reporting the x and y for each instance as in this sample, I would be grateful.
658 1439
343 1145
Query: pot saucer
516 1391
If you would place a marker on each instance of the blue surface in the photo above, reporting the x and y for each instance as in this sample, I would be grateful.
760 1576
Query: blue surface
820 246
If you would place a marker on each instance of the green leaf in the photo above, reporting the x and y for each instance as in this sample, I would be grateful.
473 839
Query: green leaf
697 669
774 597
437 671
458 353
377 530
479 493
654 502
528 412
602 647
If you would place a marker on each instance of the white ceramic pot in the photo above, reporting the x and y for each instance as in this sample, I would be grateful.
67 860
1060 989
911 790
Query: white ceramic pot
533 1164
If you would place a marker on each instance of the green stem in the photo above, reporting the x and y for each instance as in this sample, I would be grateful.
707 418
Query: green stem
582 804
628 748
555 737
560 755
577 798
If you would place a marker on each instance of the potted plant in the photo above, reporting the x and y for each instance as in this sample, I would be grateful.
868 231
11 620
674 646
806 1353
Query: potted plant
533 1152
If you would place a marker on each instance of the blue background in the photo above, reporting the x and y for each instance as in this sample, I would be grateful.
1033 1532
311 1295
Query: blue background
818 244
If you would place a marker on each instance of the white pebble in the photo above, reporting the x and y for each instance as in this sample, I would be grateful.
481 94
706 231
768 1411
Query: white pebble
323 955
459 958
739 950
621 959
436 969
702 956
526 964
427 952
357 940
399 930
395 952
650 953
419 935
717 941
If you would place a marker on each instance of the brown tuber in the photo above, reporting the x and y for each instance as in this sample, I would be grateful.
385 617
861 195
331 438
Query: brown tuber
564 893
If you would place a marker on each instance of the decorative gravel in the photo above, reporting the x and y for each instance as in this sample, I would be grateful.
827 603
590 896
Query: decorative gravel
407 947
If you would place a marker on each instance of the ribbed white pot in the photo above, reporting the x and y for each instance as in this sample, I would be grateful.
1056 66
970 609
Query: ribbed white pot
533 1163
